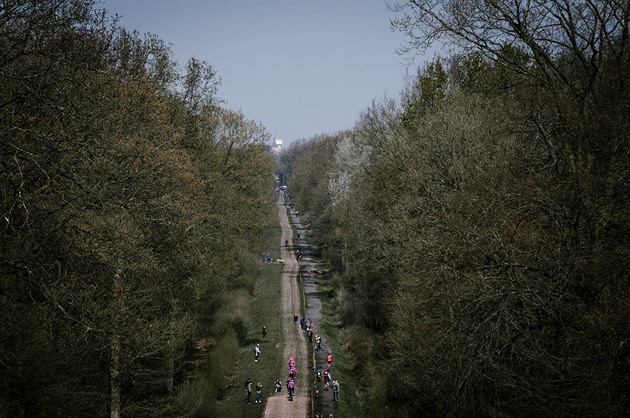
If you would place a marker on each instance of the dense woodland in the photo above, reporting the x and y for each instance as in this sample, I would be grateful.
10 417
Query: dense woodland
129 197
479 225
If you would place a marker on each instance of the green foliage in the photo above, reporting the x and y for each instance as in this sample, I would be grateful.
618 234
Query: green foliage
220 364
312 192
484 238
477 74
126 201
428 91
479 230
351 383
255 309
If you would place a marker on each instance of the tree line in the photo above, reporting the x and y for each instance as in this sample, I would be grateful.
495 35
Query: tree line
129 199
478 226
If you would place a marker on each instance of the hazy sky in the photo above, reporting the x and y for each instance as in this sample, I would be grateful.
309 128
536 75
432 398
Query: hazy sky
299 67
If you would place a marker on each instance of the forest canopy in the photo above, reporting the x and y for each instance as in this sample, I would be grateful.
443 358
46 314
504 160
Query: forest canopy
478 226
128 199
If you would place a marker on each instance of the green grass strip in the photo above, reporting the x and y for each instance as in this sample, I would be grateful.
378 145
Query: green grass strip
350 403
263 308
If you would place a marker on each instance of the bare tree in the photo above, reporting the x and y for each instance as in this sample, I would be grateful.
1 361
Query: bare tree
546 30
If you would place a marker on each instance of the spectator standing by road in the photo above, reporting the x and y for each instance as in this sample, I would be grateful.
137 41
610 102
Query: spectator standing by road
264 331
257 353
248 390
258 392
335 386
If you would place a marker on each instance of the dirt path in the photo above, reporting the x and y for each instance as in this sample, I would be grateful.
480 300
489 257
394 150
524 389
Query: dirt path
278 406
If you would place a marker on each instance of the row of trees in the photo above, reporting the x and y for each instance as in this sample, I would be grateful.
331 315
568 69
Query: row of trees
479 225
128 197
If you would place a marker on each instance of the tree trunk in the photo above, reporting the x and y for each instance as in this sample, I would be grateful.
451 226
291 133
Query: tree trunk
114 376
114 371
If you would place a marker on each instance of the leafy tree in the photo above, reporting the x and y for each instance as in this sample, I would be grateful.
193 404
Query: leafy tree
310 192
114 225
429 89
482 227
568 49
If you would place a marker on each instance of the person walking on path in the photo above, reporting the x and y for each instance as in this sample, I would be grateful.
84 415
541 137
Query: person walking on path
326 379
335 390
248 390
257 353
329 360
258 392
291 388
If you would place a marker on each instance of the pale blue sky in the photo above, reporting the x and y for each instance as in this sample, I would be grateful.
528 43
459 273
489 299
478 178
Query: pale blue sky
299 67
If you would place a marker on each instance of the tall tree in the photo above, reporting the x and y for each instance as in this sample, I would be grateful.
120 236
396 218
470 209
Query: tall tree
108 240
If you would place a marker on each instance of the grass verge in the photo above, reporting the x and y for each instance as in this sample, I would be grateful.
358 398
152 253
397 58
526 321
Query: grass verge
349 405
262 308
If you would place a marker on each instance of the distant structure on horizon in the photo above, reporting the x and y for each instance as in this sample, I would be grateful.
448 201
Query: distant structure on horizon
277 146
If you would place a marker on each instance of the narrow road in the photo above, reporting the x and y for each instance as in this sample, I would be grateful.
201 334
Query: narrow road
279 406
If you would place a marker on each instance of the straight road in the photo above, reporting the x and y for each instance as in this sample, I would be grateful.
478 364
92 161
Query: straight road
279 406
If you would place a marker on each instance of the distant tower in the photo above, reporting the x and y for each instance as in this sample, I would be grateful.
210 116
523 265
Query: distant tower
277 146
